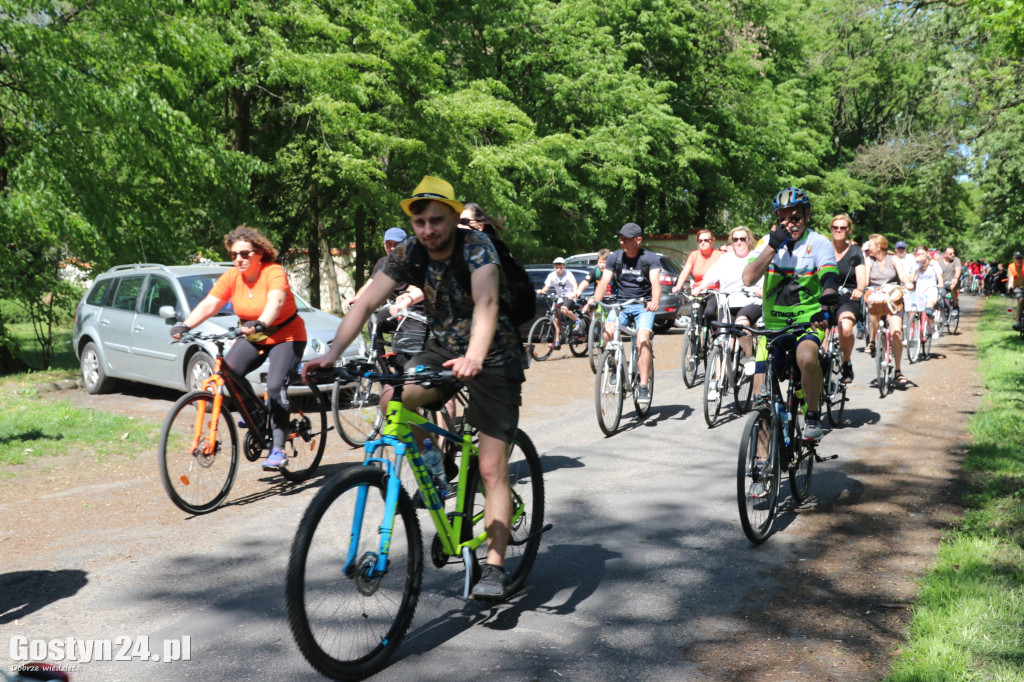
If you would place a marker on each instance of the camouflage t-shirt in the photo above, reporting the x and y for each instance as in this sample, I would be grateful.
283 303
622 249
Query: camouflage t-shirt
450 309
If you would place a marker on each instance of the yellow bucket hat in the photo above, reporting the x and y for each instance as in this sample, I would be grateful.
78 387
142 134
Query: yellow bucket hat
435 189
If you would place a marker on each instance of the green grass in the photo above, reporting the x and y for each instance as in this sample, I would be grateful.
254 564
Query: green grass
33 426
967 623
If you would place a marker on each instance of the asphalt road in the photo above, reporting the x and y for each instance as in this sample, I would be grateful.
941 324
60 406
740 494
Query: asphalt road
646 558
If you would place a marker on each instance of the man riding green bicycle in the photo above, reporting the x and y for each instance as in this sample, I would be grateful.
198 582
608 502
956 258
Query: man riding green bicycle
800 276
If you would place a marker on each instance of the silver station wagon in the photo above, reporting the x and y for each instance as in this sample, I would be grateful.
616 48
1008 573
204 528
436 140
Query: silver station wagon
122 328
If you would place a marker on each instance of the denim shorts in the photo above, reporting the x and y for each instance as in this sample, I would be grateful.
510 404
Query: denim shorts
644 318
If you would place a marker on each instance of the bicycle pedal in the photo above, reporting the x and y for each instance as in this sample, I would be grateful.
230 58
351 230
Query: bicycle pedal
818 458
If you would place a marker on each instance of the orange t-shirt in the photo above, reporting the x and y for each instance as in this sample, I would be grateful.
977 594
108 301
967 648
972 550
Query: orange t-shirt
1013 274
699 265
249 300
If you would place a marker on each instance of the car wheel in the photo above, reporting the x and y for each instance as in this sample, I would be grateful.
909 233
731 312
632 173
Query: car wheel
93 376
200 366
663 326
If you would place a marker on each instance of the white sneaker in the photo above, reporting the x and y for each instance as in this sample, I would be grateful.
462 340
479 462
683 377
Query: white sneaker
712 394
936 334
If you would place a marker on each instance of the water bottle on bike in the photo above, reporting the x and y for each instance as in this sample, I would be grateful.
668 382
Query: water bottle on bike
432 458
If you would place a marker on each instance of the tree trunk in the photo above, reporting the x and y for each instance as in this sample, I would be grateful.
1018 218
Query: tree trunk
314 246
359 262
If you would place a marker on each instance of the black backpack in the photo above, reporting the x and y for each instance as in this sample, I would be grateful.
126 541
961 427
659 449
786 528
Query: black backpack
645 267
523 297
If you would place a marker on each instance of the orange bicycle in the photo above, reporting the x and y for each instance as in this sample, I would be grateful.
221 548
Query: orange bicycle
198 454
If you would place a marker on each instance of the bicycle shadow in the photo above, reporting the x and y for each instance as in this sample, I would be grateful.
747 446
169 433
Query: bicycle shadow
543 593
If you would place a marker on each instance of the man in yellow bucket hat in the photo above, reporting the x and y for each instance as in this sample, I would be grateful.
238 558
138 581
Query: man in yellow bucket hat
469 334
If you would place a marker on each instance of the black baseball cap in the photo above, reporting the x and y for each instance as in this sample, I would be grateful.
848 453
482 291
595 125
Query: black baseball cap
631 230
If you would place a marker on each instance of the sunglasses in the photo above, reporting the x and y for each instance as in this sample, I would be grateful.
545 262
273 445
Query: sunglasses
793 219
839 227
244 255
704 241
466 221
739 239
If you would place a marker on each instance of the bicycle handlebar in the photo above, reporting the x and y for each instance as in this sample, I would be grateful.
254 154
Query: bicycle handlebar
191 336
352 371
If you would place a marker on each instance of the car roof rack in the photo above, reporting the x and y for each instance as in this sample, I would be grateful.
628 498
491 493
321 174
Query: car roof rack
139 266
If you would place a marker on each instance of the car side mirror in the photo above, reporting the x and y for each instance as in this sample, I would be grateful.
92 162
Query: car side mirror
167 312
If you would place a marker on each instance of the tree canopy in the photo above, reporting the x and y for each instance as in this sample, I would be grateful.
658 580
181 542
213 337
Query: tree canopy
144 131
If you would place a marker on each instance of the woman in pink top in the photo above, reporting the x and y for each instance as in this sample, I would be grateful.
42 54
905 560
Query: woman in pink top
699 262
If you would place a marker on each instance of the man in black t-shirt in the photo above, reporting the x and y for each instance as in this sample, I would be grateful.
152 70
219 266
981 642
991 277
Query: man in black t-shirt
627 266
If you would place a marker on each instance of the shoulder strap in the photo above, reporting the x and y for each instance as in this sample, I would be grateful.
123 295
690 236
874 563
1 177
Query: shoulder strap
419 261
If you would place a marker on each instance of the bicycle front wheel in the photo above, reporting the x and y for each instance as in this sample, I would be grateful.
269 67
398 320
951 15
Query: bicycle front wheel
578 339
913 339
882 363
757 476
743 385
691 356
346 615
608 392
306 439
356 410
595 343
802 463
714 385
526 480
954 320
926 341
198 457
540 338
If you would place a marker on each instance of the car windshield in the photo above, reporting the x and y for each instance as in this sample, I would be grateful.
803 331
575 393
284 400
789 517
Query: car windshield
196 287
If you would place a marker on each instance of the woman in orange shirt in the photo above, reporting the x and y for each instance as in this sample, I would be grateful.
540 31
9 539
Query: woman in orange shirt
697 264
259 293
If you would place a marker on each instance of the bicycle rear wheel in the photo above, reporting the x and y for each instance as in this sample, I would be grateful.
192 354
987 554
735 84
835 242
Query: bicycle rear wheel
197 482
578 339
540 338
757 476
595 343
356 410
346 618
306 439
608 392
714 385
691 355
954 320
526 479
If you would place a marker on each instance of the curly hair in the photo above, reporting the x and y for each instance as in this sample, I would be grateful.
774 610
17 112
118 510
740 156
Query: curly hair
244 233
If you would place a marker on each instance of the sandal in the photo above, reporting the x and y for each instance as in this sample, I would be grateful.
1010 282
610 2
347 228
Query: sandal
899 379
871 349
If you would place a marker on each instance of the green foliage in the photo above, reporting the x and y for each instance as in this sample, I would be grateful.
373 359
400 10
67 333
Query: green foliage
312 118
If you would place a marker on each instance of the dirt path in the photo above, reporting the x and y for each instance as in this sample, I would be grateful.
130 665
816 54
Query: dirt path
836 614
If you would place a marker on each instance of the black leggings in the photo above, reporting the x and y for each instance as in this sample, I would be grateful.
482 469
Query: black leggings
244 357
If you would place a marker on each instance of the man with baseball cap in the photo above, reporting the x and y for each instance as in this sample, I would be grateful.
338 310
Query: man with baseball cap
636 271
906 259
470 335
404 297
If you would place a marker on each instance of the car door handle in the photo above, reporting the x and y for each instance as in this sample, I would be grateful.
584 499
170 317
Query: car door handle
138 328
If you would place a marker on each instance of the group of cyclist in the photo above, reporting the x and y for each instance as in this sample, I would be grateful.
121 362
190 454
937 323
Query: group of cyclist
792 275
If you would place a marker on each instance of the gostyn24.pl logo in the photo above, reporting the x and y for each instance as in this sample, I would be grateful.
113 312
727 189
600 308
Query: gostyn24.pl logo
121 648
